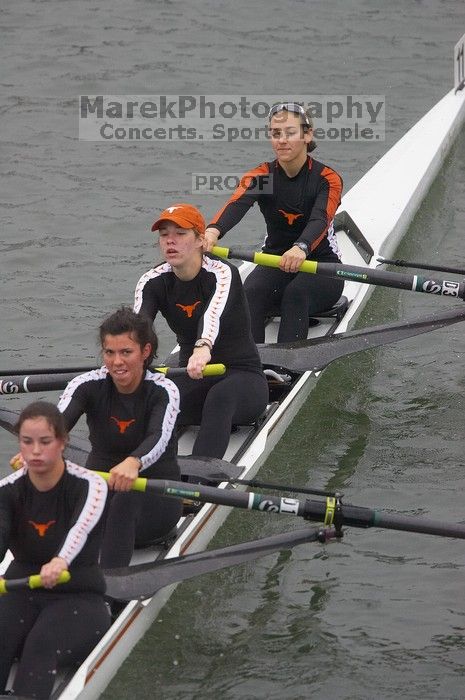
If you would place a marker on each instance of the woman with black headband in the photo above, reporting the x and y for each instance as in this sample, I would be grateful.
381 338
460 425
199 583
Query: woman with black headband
298 197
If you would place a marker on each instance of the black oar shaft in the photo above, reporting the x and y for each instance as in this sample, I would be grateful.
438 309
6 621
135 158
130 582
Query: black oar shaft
363 275
23 384
422 266
226 497
28 382
48 370
330 511
357 516
420 525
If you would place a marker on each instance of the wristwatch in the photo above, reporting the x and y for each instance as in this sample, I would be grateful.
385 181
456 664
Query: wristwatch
303 246
201 342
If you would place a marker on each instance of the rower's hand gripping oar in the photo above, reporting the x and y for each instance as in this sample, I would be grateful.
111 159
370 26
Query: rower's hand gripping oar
364 275
25 383
29 582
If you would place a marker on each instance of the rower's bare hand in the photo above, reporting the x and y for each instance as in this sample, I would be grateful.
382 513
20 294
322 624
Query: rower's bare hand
122 475
50 572
210 238
17 461
292 259
197 361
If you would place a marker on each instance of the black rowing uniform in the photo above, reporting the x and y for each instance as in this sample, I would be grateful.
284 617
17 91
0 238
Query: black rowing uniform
64 521
140 424
295 209
211 306
50 628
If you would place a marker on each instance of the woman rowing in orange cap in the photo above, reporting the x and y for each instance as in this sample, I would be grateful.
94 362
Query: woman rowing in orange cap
203 301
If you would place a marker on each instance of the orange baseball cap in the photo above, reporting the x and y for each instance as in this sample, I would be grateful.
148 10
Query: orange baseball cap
185 215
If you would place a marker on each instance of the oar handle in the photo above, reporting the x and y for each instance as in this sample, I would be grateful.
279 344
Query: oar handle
210 370
265 259
353 273
31 582
139 484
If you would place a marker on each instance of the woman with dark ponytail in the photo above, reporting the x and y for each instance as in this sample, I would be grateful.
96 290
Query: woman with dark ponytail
131 413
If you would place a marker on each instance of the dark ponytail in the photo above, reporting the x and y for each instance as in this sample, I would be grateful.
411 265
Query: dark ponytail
125 320
44 409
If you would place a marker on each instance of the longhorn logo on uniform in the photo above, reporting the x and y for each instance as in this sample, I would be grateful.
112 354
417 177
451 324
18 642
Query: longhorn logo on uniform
189 308
290 217
42 527
123 425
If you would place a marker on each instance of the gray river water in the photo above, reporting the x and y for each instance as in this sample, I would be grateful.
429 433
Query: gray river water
379 615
